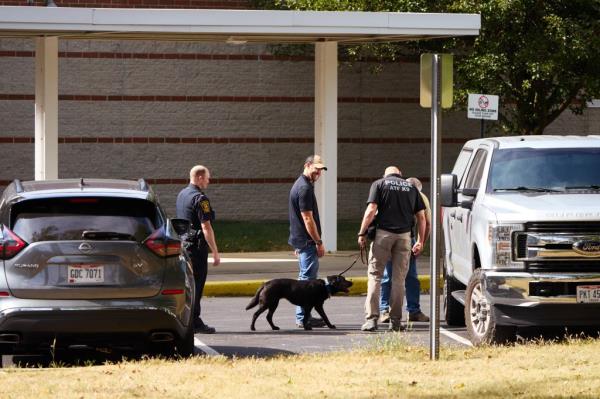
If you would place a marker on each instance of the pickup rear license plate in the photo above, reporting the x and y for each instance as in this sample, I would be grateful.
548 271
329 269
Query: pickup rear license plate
588 294
86 274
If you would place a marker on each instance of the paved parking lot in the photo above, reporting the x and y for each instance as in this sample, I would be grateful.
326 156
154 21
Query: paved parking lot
232 322
234 337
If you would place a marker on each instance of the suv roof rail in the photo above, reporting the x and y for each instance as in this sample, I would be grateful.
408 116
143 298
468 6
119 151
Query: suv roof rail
18 186
143 185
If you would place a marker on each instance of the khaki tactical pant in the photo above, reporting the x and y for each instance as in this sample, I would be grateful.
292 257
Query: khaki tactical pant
385 246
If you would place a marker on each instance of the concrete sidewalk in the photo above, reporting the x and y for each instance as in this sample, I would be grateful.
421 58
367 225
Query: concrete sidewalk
240 274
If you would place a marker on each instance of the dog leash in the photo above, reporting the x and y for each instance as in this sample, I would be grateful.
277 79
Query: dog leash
363 260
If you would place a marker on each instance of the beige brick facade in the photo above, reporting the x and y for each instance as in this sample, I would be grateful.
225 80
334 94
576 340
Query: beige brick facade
154 109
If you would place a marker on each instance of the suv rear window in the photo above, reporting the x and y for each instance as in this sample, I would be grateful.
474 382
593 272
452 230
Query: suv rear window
67 218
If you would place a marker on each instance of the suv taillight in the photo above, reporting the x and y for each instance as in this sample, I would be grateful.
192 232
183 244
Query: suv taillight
158 243
11 244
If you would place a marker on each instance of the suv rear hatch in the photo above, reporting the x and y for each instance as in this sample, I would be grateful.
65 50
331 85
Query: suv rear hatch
85 248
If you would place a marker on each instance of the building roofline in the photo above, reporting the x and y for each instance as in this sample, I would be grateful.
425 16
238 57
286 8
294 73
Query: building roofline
234 26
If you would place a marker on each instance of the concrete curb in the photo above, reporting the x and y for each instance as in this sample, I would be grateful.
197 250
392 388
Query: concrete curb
249 287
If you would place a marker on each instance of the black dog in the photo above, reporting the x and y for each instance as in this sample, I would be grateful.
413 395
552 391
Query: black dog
306 293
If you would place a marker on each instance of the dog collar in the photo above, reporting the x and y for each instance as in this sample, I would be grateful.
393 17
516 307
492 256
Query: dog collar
328 286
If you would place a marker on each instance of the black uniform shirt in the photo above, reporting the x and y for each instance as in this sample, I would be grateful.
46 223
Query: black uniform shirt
302 199
193 205
397 203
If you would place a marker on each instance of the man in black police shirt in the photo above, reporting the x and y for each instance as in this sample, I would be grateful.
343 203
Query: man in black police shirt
194 205
395 202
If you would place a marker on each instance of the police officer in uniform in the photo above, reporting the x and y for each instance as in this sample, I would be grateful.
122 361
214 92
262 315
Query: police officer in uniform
396 204
194 205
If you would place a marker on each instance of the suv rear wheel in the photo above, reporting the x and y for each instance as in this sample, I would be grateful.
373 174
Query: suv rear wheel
480 318
185 345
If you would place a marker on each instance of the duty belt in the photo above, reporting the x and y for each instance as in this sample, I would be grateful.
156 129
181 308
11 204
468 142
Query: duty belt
194 236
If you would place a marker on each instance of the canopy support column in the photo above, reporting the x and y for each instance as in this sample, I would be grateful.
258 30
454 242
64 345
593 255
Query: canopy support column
46 108
326 137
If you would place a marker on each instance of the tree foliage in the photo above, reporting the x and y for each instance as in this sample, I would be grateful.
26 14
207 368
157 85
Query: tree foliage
541 57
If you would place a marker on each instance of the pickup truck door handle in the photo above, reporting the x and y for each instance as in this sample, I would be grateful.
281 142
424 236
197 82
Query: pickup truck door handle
459 217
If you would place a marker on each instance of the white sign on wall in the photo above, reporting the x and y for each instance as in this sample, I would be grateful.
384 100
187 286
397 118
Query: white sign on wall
483 106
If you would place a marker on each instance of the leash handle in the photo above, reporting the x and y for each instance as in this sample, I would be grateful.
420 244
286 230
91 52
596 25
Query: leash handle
355 260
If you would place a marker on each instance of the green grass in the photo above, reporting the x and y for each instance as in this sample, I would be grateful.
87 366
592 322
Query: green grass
266 236
255 236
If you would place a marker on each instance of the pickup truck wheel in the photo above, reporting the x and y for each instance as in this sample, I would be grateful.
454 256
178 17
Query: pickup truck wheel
480 317
454 311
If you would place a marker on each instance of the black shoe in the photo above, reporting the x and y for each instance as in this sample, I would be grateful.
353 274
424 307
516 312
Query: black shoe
201 328
396 325
419 317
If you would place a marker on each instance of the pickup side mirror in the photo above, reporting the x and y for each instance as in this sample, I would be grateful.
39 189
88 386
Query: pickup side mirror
448 192
181 226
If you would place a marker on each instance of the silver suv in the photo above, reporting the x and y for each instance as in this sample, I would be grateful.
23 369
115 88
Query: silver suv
92 263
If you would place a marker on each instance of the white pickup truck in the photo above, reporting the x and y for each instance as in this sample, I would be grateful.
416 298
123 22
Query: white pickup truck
521 223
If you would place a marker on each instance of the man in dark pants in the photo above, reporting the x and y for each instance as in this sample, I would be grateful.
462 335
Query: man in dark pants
396 203
305 227
194 205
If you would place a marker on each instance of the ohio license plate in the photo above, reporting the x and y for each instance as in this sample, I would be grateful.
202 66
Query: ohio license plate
588 294
85 274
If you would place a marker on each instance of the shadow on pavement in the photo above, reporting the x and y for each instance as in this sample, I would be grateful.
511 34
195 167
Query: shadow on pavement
240 351
299 331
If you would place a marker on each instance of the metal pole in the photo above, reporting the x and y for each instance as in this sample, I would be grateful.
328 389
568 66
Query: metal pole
434 330
482 127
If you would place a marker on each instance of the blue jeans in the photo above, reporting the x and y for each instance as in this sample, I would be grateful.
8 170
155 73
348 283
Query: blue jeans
411 284
308 261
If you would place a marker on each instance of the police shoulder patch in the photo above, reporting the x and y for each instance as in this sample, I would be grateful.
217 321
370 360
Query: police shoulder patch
205 205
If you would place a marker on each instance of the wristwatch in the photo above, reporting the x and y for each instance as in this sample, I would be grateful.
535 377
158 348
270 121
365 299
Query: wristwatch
319 242
362 235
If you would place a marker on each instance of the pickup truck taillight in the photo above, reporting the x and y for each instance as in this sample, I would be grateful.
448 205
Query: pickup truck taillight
11 244
161 245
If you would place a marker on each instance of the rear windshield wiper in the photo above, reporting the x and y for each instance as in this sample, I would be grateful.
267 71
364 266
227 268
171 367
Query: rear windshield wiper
106 235
524 188
584 187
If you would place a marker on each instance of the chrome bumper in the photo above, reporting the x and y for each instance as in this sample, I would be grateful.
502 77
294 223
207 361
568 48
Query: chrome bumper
509 294
512 288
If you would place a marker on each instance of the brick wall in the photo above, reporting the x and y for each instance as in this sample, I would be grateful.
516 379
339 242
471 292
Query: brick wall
154 109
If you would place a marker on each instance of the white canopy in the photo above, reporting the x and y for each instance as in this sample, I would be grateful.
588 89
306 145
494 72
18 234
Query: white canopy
239 25
325 29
